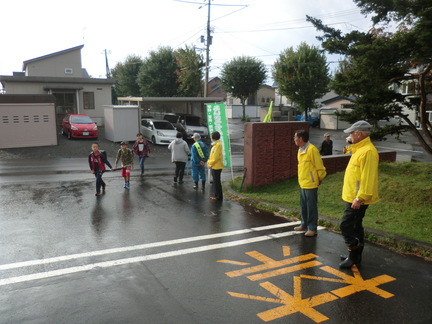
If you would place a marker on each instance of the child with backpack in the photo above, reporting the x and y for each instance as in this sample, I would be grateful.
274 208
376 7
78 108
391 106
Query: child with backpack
126 157
142 149
97 160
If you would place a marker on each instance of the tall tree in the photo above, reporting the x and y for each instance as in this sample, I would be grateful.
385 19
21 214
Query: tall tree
158 74
302 75
242 77
125 73
189 72
379 60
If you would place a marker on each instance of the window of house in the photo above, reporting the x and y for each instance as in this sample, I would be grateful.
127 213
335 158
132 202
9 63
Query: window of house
347 106
89 100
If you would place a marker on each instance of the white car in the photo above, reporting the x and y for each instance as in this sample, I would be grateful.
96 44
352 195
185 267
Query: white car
158 131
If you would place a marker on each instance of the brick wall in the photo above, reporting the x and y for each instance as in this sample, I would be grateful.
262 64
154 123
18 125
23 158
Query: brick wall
270 154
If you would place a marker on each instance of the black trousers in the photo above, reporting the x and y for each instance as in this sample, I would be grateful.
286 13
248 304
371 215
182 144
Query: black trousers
352 224
179 170
217 185
99 182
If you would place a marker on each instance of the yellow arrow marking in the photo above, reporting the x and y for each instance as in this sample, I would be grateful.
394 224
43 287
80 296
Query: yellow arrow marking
291 304
356 282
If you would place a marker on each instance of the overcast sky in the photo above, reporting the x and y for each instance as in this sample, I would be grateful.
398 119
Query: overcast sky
259 28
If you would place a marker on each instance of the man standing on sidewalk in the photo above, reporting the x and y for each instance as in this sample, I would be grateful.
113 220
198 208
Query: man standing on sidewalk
311 172
360 189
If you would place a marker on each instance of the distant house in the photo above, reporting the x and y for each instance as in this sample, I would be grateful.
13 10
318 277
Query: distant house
61 74
262 97
339 102
214 88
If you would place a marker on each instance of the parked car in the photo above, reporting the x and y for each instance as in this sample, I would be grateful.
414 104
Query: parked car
158 131
187 124
79 126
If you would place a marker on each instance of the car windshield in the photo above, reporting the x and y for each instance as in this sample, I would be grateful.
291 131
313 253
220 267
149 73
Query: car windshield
81 120
163 125
193 121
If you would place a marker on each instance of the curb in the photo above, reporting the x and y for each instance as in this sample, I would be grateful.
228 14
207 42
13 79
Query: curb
391 242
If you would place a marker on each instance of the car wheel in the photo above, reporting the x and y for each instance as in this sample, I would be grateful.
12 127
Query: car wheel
154 140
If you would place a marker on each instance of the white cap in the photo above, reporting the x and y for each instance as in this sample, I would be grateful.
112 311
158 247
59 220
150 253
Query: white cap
361 125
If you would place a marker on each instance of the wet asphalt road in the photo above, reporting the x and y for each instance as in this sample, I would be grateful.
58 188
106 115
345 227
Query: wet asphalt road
161 253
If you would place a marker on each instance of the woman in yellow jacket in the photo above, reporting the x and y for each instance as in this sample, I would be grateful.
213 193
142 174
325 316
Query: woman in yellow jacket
215 162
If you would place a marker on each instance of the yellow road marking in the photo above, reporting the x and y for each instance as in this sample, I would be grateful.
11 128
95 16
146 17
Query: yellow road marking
356 282
283 271
291 304
233 262
268 263
295 303
286 251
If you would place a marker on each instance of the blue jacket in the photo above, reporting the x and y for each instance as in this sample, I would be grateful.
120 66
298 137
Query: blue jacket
195 157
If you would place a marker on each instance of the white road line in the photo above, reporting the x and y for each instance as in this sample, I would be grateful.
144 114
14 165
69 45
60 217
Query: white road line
113 263
141 247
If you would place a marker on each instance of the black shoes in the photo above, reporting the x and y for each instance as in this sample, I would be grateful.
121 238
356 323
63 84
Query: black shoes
195 185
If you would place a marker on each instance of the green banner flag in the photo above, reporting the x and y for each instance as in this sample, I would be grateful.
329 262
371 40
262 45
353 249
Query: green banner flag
217 122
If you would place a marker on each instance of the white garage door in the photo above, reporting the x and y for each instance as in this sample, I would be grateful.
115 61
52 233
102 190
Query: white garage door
27 125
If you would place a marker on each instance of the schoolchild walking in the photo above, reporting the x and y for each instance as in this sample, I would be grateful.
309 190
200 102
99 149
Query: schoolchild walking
97 160
199 156
142 149
179 155
126 157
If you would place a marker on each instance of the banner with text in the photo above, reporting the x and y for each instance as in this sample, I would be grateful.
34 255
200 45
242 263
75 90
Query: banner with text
217 122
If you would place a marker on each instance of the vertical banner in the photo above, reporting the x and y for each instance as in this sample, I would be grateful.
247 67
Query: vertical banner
217 122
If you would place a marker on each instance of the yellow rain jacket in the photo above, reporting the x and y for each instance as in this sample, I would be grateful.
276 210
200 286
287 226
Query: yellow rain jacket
215 160
311 170
361 174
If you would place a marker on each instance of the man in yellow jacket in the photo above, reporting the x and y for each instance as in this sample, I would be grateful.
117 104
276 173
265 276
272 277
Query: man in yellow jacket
360 189
311 172
215 162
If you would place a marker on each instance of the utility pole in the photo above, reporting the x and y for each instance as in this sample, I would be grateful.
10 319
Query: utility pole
108 74
209 41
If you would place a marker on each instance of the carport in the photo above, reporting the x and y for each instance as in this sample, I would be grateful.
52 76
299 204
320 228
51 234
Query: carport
180 105
27 121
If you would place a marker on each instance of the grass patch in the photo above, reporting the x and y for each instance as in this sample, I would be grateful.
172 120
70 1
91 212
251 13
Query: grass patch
405 208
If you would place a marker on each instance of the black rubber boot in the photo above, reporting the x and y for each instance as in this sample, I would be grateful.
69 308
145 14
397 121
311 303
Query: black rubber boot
359 257
203 185
354 256
175 179
196 185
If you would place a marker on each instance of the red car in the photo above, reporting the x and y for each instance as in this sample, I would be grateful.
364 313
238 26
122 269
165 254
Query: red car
79 126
